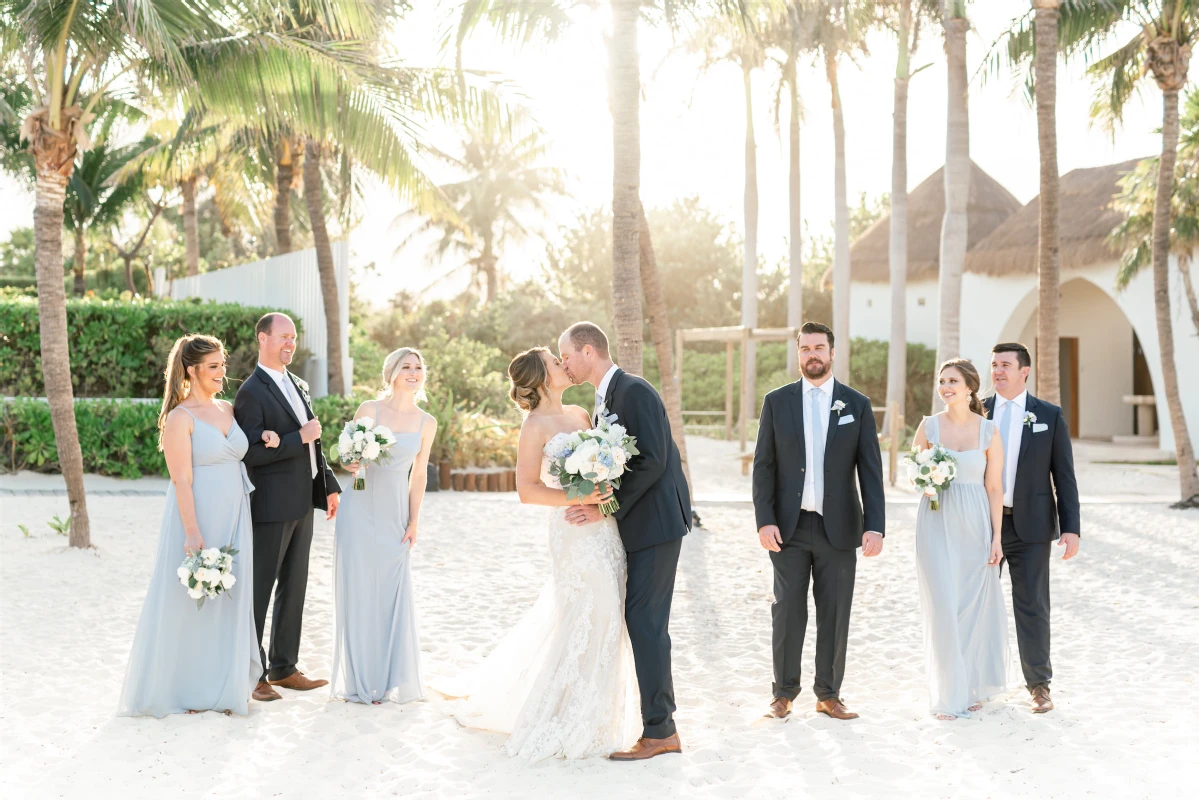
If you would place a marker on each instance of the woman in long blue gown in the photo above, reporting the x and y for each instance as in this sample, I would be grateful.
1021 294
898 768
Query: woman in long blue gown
958 553
187 659
376 644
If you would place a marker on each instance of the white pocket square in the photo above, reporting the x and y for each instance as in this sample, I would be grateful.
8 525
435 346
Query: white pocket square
845 420
1037 427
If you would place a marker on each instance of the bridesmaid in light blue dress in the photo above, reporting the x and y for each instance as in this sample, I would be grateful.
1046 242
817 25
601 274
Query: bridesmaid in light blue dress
958 554
376 645
187 659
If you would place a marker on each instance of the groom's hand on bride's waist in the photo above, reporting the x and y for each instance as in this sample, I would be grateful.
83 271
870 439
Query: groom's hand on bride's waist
583 515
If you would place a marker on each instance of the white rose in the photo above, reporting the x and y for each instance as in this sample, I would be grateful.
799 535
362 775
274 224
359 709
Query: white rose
620 456
370 451
367 422
575 439
211 553
227 580
184 573
924 456
583 458
616 432
383 433
344 443
358 436
195 593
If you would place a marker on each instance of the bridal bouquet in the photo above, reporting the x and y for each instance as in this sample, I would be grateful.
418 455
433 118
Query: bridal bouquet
931 471
363 440
208 573
594 458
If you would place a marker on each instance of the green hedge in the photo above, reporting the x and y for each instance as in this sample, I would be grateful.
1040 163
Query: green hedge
118 437
119 348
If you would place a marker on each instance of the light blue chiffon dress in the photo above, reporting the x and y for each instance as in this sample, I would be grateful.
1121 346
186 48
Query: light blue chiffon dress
965 622
186 658
376 645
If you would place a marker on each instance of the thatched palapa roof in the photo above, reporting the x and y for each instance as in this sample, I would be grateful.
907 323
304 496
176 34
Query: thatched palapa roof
1085 220
989 204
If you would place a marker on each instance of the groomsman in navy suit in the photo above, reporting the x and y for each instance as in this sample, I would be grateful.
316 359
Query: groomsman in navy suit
1040 499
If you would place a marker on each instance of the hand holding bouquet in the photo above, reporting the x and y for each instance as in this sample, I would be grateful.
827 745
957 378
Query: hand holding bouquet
208 573
931 471
594 459
361 440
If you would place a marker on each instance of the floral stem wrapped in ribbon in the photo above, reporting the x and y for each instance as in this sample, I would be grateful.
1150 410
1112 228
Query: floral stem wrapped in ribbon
208 573
362 440
931 471
592 459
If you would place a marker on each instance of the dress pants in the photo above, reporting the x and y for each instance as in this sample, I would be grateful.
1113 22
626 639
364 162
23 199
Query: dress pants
1028 567
281 554
649 591
809 555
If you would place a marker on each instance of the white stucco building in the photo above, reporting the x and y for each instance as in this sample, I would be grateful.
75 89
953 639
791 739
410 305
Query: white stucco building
1109 342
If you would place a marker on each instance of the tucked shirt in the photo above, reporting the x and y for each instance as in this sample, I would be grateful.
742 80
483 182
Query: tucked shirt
821 404
284 382
602 390
1014 432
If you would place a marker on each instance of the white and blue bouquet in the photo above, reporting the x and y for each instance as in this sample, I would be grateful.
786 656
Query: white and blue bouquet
362 440
931 471
208 573
596 458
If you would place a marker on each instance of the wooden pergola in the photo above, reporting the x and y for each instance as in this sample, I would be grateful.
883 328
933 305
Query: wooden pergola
731 336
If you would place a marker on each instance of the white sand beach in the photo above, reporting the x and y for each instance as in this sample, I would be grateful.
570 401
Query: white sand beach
1126 632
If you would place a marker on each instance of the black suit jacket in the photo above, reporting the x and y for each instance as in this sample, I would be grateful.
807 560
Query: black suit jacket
655 505
780 466
284 488
1036 514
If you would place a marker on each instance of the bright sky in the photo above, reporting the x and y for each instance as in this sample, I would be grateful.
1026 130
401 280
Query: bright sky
693 129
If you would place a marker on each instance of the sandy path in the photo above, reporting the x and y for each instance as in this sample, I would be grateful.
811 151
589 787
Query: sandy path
1127 722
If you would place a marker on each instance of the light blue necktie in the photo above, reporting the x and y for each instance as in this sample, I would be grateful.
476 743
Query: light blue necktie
817 467
599 402
1004 425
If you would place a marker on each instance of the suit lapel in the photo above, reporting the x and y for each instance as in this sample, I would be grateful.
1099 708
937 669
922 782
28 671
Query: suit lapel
1030 405
833 417
989 405
278 393
299 394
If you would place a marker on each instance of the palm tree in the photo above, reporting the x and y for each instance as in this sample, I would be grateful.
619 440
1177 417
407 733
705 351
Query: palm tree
957 184
1161 47
504 181
1048 262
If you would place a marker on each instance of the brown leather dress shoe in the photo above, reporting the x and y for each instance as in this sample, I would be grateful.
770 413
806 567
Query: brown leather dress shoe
1041 701
297 681
648 748
264 693
780 707
835 709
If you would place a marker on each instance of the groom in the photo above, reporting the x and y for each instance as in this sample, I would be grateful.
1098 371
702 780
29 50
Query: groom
1036 448
289 481
653 518
813 436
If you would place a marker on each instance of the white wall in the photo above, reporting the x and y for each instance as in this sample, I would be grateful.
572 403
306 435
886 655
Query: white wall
289 283
870 311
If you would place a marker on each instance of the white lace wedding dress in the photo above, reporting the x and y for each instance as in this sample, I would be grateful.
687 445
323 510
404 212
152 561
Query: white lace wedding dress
562 681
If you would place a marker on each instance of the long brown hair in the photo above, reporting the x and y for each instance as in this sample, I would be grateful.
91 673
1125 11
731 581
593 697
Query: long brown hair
528 375
188 351
973 381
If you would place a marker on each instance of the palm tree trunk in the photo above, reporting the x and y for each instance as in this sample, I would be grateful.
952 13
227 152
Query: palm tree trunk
1161 298
191 238
749 267
957 191
1048 263
283 176
129 284
51 193
897 350
324 263
840 230
488 265
795 224
626 183
659 327
80 259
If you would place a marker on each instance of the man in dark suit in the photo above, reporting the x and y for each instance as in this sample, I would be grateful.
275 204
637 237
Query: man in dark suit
813 435
653 518
290 479
1036 449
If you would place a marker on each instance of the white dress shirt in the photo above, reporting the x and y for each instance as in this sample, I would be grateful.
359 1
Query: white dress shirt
1014 432
297 404
602 390
823 407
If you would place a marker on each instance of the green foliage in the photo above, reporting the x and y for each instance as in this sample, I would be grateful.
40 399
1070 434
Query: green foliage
60 526
118 437
24 530
17 254
119 348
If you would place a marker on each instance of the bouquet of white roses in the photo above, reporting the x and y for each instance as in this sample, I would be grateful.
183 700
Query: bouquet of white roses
363 440
594 458
931 471
208 573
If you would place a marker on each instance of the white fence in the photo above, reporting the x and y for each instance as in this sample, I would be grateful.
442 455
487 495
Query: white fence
289 283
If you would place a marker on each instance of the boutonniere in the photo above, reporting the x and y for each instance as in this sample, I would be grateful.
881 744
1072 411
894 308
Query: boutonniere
1029 418
839 406
302 385
601 414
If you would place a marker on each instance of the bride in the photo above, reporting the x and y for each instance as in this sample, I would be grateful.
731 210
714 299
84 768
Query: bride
561 683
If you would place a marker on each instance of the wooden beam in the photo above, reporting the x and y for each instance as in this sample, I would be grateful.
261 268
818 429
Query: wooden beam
746 401
728 392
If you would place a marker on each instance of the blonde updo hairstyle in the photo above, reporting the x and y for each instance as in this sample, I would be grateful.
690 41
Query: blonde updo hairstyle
973 381
188 351
391 366
528 376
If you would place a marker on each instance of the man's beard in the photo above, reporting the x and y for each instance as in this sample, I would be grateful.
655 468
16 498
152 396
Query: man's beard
821 370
